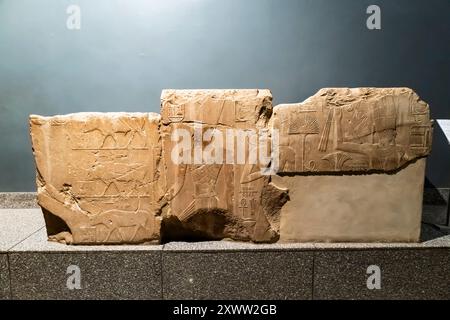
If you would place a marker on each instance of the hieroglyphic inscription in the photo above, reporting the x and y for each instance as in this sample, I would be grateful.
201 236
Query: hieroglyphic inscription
105 168
228 193
112 177
353 130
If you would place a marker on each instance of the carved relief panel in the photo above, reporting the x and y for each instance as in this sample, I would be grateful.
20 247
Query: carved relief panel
99 173
222 198
351 130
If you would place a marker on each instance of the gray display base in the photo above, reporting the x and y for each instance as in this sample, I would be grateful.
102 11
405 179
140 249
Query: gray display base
33 268
18 200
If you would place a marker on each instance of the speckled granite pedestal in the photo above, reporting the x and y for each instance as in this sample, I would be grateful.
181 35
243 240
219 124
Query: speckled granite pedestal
18 200
32 268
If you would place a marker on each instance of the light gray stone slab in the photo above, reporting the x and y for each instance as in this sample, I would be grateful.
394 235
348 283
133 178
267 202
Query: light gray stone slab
224 246
439 242
442 242
18 224
38 243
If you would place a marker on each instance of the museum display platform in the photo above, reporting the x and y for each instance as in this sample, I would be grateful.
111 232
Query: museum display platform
33 268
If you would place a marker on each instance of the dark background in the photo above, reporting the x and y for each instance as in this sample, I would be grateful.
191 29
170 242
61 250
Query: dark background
128 51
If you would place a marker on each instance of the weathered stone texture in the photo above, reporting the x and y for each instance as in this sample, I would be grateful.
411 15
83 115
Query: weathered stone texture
98 176
352 160
350 168
353 130
222 200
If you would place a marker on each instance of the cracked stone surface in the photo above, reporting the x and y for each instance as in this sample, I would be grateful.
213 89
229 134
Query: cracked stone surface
98 176
350 168
353 161
222 200
353 130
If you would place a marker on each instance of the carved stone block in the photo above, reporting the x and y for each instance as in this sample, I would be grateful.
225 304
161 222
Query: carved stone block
353 130
352 160
344 165
98 176
214 197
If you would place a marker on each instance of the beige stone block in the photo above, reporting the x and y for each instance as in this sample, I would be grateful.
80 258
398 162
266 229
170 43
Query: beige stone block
353 130
353 162
98 176
219 200
376 207
351 168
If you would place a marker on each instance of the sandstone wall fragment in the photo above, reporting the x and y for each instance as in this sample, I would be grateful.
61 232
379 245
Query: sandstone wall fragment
98 176
353 130
349 166
353 161
221 199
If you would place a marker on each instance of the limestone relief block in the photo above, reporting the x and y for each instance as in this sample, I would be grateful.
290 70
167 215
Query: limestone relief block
353 130
98 176
213 196
344 165
375 207
353 161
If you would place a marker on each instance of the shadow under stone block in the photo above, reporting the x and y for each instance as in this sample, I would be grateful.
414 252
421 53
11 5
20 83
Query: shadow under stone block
4 277
104 275
435 196
405 274
435 204
237 275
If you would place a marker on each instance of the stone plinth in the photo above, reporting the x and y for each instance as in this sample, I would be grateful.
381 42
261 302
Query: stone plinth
38 269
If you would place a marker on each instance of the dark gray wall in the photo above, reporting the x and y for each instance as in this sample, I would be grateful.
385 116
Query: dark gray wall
127 51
